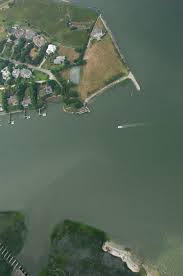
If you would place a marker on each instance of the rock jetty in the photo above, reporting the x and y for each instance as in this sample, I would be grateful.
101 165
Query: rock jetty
134 263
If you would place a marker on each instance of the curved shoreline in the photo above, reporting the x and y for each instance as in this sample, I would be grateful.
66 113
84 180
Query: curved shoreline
130 75
134 263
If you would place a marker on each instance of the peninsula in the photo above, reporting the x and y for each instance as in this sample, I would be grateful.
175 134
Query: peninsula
55 51
78 249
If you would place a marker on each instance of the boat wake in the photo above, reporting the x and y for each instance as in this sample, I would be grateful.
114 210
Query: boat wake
133 125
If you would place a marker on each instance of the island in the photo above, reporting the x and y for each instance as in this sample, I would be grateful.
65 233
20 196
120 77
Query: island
12 235
78 249
56 51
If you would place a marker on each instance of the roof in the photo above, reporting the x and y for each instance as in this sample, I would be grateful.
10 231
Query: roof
29 34
39 40
97 32
59 60
25 73
12 100
16 73
51 49
26 101
5 73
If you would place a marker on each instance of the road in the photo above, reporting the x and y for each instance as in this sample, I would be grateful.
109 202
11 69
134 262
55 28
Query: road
30 66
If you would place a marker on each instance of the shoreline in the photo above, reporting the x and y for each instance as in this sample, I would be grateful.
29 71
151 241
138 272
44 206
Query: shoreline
130 75
134 263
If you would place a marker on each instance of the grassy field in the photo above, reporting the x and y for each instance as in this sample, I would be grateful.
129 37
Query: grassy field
103 66
39 76
70 53
51 18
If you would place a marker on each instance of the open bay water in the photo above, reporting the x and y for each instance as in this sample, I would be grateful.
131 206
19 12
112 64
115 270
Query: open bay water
127 182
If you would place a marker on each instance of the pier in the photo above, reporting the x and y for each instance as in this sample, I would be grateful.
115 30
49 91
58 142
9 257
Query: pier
6 255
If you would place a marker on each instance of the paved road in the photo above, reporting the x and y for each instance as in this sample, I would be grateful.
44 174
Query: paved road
30 66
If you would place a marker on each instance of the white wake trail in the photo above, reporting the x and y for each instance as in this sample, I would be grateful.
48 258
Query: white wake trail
133 125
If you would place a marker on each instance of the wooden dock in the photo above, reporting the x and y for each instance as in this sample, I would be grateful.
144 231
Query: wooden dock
7 256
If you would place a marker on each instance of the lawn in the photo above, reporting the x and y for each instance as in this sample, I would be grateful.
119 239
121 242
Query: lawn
3 33
104 65
39 76
51 18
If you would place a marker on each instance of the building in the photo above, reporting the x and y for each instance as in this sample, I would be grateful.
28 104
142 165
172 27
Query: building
26 102
12 100
51 49
16 73
59 60
25 73
39 41
17 31
5 73
97 33
29 34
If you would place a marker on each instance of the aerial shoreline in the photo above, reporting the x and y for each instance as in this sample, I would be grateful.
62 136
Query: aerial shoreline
130 75
93 57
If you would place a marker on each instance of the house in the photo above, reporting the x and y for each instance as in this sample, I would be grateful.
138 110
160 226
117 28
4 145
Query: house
26 102
16 73
17 31
97 33
25 73
51 49
12 100
29 34
59 60
5 73
39 41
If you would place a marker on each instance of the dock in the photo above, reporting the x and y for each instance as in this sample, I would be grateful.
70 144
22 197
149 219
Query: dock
83 110
6 255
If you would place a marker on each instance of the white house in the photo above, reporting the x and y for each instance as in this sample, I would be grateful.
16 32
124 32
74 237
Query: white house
51 49
16 73
5 73
59 60
25 73
97 33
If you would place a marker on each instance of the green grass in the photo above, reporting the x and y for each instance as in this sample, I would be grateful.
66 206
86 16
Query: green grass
8 50
39 76
51 18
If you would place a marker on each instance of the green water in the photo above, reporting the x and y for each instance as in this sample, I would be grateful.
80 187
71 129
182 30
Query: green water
125 181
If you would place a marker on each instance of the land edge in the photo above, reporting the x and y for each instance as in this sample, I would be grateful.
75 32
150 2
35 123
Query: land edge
130 75
127 256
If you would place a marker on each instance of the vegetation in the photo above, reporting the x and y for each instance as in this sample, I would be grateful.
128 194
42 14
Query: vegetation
12 235
104 65
34 94
76 249
47 18
5 101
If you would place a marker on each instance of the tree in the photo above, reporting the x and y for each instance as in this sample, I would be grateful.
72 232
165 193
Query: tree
5 101
21 87
34 93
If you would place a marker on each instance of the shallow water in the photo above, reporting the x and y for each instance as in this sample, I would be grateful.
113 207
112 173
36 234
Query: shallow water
125 181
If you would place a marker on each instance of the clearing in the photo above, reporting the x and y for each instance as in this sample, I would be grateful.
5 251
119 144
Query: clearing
69 52
104 65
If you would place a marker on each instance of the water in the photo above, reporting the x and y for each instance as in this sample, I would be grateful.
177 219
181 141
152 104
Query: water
125 181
